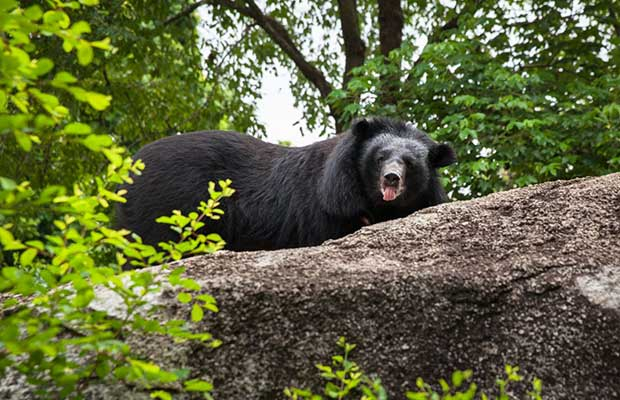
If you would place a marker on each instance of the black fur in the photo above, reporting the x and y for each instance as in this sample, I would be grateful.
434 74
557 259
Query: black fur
286 197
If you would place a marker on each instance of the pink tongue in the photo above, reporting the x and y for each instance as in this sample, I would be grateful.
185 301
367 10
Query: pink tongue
389 193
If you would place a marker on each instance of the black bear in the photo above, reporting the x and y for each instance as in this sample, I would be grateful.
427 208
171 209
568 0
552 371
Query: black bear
380 169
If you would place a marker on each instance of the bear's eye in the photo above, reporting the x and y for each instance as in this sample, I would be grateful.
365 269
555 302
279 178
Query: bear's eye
381 158
409 162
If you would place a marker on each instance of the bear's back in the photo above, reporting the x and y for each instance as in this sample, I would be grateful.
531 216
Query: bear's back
274 205
219 147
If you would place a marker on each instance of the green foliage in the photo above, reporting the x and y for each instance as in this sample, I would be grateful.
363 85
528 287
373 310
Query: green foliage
153 71
62 275
346 380
60 260
525 92
455 392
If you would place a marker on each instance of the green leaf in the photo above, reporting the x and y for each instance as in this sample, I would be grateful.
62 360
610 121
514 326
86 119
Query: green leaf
85 56
197 385
189 284
6 5
332 390
3 100
160 394
63 77
444 385
537 385
25 259
43 66
197 313
206 298
5 236
184 297
101 44
17 54
23 140
7 184
97 142
77 128
37 244
211 307
458 377
175 276
465 100
56 18
43 122
68 45
214 237
21 102
73 5
98 101
80 27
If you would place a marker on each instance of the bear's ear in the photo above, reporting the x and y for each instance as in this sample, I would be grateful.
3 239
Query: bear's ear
361 128
441 155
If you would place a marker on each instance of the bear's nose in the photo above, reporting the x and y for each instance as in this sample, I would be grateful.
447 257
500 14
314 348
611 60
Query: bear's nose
391 179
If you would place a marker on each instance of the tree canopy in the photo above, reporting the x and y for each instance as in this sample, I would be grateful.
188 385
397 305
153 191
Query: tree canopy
526 91
154 75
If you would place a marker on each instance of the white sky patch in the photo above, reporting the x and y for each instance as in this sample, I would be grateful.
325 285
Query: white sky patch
276 110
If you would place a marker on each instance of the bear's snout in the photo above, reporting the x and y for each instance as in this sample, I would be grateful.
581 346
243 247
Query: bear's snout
392 179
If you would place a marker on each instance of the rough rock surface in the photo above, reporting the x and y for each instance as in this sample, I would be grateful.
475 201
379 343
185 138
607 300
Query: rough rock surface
529 277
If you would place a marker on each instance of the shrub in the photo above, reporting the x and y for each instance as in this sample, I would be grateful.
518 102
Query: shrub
57 248
345 380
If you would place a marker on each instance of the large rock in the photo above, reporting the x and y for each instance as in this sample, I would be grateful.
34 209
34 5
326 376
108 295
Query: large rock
529 277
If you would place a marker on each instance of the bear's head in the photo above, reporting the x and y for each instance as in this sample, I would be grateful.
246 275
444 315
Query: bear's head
381 163
396 161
